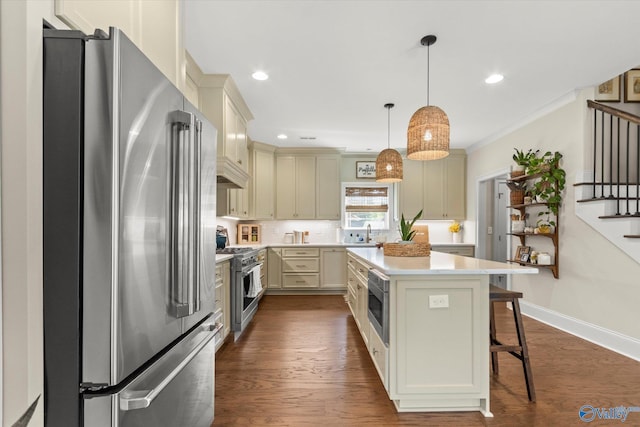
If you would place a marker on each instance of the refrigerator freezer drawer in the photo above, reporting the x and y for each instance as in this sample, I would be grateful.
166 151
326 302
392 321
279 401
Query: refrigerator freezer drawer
177 390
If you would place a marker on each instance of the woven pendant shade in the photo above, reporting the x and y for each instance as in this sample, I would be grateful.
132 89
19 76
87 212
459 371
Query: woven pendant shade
389 161
428 131
428 134
389 166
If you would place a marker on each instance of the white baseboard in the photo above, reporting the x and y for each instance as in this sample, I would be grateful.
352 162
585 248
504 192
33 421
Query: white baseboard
614 341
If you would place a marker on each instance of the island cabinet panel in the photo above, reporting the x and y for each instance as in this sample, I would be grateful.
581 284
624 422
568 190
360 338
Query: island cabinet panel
379 355
358 294
440 351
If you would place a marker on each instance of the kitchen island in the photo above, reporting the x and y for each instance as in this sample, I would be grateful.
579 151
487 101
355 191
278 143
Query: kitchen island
437 355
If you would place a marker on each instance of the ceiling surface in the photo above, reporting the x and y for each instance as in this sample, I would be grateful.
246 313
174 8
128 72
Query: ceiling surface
333 64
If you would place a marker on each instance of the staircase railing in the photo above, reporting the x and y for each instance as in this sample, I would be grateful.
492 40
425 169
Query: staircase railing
616 157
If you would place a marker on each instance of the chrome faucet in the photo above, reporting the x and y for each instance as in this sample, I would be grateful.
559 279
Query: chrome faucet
368 239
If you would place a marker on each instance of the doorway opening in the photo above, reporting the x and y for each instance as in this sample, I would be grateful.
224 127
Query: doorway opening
493 222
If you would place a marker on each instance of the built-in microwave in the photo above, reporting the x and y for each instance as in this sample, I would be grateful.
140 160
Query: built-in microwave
378 303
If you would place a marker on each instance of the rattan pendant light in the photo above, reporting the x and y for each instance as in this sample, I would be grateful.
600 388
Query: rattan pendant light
428 132
389 161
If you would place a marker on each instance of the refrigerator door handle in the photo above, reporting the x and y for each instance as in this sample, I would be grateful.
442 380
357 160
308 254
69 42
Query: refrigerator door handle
197 142
180 201
140 399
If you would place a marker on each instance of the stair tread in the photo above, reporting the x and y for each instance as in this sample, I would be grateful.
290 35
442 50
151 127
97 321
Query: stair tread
599 199
621 216
632 236
622 184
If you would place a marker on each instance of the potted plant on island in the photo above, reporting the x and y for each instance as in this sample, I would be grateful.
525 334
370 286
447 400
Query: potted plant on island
407 247
406 233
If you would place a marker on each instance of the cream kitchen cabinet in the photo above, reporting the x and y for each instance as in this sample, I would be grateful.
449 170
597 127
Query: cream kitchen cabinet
232 202
300 268
328 201
358 276
221 102
437 187
222 307
154 27
333 268
463 250
262 181
274 268
379 353
295 187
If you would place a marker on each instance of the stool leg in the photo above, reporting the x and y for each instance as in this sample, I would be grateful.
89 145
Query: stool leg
526 365
492 339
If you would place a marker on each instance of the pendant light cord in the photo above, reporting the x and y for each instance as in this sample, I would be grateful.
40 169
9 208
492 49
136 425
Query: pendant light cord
389 127
428 48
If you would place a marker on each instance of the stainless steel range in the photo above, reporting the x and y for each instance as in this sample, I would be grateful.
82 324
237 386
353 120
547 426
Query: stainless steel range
246 289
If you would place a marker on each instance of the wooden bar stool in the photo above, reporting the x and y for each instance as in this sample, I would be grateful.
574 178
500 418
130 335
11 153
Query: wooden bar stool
520 351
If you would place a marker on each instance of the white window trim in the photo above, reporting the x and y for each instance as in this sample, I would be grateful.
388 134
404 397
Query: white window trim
390 192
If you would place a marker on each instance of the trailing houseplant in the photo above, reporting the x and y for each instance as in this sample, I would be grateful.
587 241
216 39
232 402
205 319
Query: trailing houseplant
552 180
406 233
522 159
544 224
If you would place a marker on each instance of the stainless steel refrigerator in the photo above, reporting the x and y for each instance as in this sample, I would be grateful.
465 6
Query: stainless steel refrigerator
129 240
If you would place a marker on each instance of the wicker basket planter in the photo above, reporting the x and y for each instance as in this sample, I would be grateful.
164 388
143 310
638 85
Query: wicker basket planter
413 249
516 197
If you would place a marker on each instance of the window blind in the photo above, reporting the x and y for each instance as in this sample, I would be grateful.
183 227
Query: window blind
366 199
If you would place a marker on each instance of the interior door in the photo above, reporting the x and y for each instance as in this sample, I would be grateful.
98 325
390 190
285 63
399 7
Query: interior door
500 229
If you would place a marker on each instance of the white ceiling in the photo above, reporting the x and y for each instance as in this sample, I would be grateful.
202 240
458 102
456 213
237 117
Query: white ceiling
333 64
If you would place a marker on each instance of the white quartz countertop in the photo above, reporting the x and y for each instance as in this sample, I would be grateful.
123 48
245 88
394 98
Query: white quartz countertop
223 257
308 245
437 263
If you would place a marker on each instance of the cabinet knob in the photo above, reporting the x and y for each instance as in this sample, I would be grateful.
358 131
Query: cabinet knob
240 161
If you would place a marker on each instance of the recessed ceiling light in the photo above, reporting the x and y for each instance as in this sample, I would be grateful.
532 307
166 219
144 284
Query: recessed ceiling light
282 136
494 78
260 75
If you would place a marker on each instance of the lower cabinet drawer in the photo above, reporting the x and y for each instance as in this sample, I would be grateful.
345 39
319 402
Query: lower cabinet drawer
298 265
296 252
300 280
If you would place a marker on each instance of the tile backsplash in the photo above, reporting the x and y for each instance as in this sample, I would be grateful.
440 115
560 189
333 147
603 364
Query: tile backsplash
320 231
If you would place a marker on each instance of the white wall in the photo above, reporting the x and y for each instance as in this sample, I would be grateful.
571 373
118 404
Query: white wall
598 283
21 143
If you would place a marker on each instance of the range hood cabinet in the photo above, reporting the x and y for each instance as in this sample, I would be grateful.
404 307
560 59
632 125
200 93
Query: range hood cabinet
230 175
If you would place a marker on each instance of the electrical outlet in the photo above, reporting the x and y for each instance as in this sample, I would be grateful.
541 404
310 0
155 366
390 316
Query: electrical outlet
489 230
438 301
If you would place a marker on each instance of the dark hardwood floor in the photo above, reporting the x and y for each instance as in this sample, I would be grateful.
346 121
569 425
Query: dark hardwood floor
302 363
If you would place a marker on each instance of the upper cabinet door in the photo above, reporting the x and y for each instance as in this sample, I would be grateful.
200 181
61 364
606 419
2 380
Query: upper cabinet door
230 131
411 189
263 179
285 187
305 188
456 184
436 186
328 188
